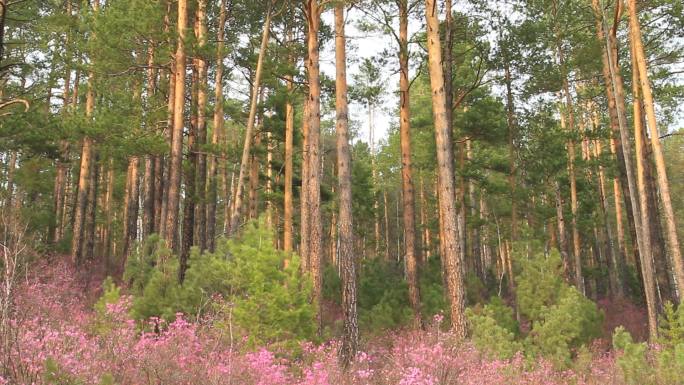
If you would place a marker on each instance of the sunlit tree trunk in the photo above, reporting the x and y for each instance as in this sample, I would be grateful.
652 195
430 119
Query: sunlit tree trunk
130 225
288 199
85 171
646 256
649 107
445 172
411 255
312 154
347 263
249 132
176 156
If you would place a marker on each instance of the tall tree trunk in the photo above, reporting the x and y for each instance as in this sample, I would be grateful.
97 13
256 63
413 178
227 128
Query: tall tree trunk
249 132
350 336
149 173
445 167
615 262
663 184
200 154
411 253
88 240
576 241
312 153
109 217
217 132
176 156
425 226
288 205
562 239
647 268
130 225
664 283
84 174
512 133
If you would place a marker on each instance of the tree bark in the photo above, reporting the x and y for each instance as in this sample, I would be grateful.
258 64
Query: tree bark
445 168
217 132
249 132
312 153
176 156
350 336
411 254
663 184
200 154
288 201
149 173
130 225
647 268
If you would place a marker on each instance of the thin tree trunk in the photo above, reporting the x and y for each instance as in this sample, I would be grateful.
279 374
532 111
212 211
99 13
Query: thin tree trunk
411 253
576 242
85 171
663 184
512 133
249 132
288 205
88 240
447 205
562 239
200 154
130 225
149 173
176 156
350 337
217 132
109 217
386 217
647 268
313 156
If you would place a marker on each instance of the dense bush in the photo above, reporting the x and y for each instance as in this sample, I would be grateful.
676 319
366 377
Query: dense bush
664 364
245 281
383 293
561 319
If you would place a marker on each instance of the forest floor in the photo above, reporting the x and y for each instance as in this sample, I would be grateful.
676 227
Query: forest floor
61 334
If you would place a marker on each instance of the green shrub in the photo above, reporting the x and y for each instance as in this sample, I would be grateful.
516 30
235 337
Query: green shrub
494 329
561 319
632 361
111 294
563 327
244 280
539 283
664 365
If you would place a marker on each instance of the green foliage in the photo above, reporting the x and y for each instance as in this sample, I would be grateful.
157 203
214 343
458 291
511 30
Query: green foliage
431 284
111 294
494 329
244 282
538 284
562 319
639 365
573 322
633 361
383 296
671 330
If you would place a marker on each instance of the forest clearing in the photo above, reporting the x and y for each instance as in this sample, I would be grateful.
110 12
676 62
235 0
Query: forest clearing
352 192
